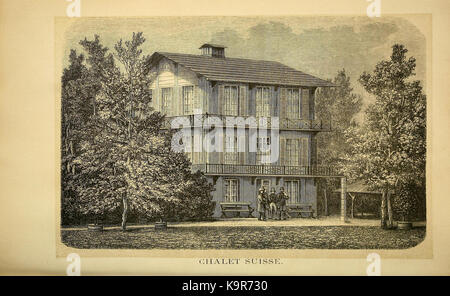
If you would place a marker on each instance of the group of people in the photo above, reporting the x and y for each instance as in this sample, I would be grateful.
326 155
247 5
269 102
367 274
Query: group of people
272 205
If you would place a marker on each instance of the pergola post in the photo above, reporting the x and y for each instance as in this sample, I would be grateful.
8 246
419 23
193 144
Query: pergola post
343 198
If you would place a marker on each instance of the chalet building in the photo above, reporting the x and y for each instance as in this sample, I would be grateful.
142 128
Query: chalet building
212 84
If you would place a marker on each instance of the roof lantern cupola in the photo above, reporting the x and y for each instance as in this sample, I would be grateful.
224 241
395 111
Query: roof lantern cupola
213 50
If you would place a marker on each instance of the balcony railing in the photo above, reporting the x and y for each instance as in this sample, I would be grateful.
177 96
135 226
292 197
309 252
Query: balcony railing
265 170
284 123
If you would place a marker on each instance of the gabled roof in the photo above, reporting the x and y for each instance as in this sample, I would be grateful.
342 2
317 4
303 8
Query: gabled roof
359 186
212 45
242 70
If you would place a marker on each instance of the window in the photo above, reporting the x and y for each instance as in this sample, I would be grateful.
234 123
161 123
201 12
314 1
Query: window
166 99
292 155
231 152
293 191
262 151
230 100
293 103
188 100
263 98
231 190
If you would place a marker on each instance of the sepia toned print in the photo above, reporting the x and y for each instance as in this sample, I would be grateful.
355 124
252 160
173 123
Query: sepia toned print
248 133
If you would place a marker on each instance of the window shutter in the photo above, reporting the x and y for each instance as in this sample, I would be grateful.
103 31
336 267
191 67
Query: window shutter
243 100
220 99
177 108
304 152
275 101
305 103
283 93
238 191
282 151
241 139
222 153
313 150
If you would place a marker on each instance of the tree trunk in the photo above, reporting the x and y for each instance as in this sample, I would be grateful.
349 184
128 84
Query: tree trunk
383 210
124 213
353 205
325 202
390 223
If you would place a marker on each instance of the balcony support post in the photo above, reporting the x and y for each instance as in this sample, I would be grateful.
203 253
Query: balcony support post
343 198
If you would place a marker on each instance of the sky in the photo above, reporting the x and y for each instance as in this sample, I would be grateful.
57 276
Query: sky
317 45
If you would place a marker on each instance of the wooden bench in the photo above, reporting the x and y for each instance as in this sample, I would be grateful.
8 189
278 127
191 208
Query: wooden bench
236 207
301 208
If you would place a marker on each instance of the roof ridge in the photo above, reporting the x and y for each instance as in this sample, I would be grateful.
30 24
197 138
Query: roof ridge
240 69
225 58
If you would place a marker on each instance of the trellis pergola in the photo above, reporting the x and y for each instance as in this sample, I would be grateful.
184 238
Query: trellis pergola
353 190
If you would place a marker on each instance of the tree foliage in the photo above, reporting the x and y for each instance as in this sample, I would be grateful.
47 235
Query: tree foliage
341 105
123 158
389 149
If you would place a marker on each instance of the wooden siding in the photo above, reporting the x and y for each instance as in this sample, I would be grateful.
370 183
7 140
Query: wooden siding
171 75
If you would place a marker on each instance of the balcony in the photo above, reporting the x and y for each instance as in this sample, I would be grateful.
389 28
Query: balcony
284 123
265 170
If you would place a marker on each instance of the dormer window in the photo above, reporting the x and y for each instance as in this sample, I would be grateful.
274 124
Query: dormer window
213 50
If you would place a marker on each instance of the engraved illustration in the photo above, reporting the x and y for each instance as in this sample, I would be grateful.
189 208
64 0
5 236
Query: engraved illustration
243 133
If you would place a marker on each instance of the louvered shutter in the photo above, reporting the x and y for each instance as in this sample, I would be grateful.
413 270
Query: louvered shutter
282 151
177 97
241 139
304 152
276 94
220 99
198 99
313 150
283 93
243 100
305 103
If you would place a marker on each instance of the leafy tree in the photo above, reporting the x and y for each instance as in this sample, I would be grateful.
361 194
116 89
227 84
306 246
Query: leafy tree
341 105
124 160
389 149
76 108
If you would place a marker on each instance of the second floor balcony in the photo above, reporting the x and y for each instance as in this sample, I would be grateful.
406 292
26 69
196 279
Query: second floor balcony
317 125
265 170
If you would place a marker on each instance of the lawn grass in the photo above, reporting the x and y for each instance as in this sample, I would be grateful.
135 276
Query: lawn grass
273 237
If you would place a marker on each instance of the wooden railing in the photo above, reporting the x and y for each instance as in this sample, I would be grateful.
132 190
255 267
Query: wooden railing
284 123
264 170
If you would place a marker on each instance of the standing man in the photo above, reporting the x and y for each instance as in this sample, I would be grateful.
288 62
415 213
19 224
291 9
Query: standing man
282 209
272 203
262 201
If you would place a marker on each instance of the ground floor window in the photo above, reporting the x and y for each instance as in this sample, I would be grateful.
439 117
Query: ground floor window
292 188
231 190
